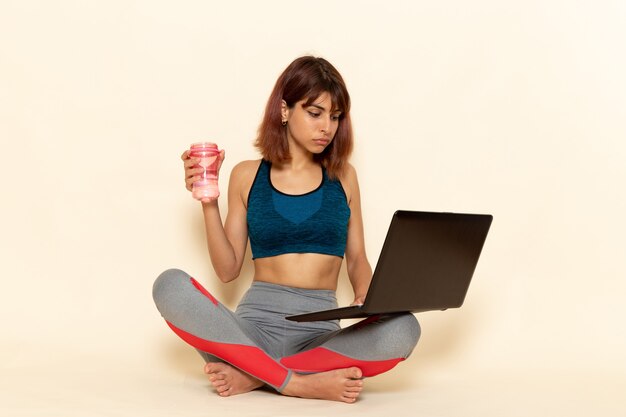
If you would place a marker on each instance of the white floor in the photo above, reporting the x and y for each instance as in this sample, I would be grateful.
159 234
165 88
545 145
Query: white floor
102 386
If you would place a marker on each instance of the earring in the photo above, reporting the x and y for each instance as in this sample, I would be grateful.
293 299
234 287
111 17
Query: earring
284 123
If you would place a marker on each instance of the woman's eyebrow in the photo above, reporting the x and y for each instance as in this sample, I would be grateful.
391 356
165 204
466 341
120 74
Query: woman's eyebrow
317 106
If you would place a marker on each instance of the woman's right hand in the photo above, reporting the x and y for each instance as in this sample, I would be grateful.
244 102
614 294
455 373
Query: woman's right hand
193 169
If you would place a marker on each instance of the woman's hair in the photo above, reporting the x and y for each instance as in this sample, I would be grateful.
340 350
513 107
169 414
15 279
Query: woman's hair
307 78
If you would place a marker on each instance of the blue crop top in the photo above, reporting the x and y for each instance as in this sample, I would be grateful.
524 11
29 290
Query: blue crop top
279 223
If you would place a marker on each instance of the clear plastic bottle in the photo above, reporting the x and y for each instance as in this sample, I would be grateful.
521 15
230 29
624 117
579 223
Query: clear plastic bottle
206 189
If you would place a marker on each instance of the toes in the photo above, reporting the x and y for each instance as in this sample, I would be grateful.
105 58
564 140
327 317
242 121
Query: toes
213 367
223 390
216 377
219 383
354 373
354 383
348 399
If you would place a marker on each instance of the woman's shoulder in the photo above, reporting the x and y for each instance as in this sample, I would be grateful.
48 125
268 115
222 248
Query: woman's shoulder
349 181
245 171
349 174
247 166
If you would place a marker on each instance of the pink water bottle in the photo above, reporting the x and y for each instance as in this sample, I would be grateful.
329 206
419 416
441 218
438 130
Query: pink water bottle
206 188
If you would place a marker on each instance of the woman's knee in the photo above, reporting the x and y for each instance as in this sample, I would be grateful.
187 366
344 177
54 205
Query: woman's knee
410 327
167 284
383 338
403 333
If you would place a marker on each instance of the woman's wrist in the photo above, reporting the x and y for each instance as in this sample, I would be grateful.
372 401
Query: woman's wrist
209 204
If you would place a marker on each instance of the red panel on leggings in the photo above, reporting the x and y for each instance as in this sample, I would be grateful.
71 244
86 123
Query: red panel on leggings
250 359
203 291
321 359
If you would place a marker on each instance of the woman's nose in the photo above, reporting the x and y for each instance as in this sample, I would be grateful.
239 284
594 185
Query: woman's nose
326 125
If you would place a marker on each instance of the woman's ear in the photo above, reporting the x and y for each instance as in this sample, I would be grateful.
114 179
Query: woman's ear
284 110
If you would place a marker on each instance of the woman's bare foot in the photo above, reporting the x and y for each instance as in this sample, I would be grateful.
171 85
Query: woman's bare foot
338 385
228 380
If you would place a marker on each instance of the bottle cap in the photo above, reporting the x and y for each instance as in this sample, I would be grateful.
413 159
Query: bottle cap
203 145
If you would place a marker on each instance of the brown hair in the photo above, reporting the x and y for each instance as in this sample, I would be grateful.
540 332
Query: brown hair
307 78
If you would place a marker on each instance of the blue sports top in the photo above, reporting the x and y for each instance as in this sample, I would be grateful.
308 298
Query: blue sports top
279 223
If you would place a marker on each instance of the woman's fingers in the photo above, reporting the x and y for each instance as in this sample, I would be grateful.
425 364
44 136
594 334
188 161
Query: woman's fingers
190 162
192 178
220 159
193 170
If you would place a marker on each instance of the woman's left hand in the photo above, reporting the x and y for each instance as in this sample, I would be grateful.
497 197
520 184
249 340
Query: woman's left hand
358 301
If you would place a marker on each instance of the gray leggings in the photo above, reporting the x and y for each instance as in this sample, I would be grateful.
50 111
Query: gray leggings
257 338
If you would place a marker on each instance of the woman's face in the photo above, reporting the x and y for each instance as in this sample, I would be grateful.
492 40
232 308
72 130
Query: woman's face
311 127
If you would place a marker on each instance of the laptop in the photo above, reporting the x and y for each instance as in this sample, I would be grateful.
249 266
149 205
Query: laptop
426 263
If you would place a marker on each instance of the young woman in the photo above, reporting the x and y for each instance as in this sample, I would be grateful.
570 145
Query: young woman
301 209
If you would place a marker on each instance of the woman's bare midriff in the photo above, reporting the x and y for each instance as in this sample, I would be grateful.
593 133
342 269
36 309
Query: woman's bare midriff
301 270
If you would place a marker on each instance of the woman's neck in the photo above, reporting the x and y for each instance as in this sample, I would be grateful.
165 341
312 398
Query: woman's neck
300 160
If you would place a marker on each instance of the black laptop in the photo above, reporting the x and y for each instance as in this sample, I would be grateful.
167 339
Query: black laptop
426 263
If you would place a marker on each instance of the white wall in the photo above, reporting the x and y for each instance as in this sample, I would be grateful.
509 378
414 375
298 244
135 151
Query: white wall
511 108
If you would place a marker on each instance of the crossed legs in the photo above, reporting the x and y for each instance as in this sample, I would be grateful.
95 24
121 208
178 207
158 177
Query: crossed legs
331 367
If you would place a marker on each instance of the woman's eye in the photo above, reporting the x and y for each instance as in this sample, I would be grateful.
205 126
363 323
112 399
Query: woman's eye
313 114
336 116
